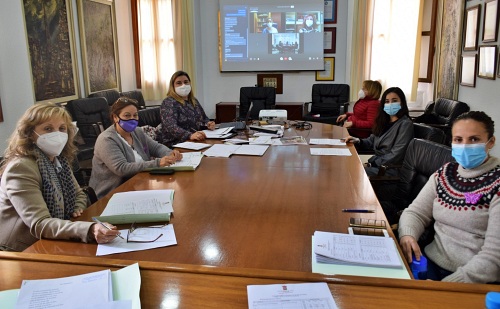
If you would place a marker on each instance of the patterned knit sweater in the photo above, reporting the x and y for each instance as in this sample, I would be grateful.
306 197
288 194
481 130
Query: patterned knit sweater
465 204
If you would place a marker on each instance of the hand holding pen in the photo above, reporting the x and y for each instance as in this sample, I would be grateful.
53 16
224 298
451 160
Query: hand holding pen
103 232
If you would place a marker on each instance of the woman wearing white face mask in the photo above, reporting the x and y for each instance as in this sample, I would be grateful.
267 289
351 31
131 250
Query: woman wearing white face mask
463 200
269 27
392 132
38 192
182 116
309 24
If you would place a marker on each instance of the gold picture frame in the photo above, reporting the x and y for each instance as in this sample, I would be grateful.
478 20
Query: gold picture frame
328 74
271 80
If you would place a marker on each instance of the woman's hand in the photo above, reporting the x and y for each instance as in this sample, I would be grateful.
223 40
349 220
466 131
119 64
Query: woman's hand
350 139
77 213
197 136
171 158
102 235
341 118
211 125
409 245
347 124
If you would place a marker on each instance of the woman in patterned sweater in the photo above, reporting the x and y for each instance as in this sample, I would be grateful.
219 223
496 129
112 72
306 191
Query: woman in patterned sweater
182 116
463 199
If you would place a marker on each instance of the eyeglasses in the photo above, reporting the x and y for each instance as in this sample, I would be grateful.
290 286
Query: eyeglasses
143 234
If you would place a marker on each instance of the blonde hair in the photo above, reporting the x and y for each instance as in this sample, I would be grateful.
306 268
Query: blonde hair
20 143
373 88
171 88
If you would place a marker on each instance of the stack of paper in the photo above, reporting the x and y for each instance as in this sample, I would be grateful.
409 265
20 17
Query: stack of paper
192 146
348 249
293 140
326 141
189 162
218 133
226 151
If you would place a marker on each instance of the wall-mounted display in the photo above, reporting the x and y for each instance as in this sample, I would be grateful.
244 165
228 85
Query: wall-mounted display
490 21
471 31
487 61
469 65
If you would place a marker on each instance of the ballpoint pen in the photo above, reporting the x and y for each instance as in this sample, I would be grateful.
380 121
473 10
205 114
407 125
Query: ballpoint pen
107 227
358 210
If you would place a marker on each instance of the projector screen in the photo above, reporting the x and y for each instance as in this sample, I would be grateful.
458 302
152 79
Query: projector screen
255 35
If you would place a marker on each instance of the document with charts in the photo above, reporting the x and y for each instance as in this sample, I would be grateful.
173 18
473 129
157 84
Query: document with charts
337 248
330 152
290 295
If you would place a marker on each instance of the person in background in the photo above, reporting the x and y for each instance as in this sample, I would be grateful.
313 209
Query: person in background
38 192
269 27
309 24
364 111
461 198
182 116
392 132
123 149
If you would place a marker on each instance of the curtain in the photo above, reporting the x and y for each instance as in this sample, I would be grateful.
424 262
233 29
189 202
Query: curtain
184 37
156 47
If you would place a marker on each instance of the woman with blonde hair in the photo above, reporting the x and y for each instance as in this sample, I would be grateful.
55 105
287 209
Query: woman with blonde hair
38 192
182 116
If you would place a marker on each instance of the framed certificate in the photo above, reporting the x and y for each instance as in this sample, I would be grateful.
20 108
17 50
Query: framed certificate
330 11
329 72
329 41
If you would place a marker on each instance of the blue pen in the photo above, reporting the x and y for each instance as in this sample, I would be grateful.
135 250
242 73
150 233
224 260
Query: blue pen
358 210
107 227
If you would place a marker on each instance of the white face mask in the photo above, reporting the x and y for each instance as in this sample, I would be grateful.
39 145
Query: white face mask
183 90
361 94
309 23
270 25
52 143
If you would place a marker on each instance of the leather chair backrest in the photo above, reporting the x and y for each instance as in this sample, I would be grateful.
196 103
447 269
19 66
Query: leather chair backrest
429 133
149 117
136 95
260 97
110 95
447 110
328 99
88 111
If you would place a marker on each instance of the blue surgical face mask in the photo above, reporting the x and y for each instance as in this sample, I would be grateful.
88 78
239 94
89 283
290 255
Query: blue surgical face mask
469 155
392 108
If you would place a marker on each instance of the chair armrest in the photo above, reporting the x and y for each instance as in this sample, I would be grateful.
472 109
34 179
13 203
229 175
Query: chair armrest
307 106
381 173
89 191
98 127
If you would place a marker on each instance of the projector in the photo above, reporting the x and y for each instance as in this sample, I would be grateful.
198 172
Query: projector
273 115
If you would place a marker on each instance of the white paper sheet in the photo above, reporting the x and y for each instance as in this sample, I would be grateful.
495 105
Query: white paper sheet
251 150
220 150
190 160
330 152
134 202
326 141
218 133
262 140
192 146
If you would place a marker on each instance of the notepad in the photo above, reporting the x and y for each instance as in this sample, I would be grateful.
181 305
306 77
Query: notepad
192 145
190 161
139 207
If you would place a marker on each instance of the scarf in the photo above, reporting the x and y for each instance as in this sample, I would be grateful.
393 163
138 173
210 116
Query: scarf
58 188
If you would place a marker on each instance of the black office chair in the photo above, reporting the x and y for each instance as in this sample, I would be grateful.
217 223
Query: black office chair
441 114
136 95
429 133
110 95
260 97
328 102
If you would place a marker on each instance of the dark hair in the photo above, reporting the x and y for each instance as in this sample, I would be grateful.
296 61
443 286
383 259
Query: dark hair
120 104
481 117
171 88
382 118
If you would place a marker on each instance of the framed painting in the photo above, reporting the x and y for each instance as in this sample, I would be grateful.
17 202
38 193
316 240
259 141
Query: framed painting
330 11
490 21
469 65
487 61
329 41
471 31
99 45
328 74
51 43
271 80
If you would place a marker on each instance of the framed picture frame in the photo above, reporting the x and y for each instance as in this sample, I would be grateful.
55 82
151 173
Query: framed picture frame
490 21
271 80
471 31
487 61
330 11
330 40
469 67
498 66
1 111
328 74
51 47
99 45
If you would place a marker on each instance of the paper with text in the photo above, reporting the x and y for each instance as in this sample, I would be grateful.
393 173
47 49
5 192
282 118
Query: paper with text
221 150
192 146
251 150
326 141
330 152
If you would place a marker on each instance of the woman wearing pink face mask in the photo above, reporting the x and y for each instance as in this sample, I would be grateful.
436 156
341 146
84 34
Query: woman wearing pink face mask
182 116
38 192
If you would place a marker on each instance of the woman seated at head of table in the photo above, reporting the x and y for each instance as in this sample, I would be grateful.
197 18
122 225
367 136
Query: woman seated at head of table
38 192
182 116
365 110
462 201
123 149
392 132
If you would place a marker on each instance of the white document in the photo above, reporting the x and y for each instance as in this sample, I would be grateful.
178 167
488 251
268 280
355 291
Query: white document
251 150
235 141
326 141
296 295
119 245
221 150
218 133
140 202
330 152
337 248
262 140
190 161
127 284
192 146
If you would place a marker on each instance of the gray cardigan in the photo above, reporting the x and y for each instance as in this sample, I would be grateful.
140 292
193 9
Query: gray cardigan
114 160
390 147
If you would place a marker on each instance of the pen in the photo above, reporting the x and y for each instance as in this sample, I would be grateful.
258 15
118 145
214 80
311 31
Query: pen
358 210
107 227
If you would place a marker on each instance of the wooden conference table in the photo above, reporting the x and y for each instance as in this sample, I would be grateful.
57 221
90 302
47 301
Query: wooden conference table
250 212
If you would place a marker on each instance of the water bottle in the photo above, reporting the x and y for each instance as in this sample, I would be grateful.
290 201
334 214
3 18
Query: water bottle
419 268
492 300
